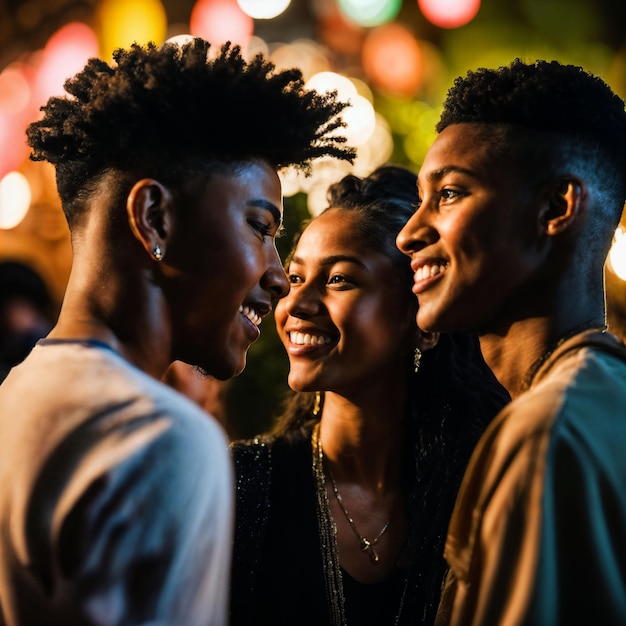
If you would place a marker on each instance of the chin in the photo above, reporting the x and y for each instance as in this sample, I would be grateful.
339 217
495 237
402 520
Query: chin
225 368
299 384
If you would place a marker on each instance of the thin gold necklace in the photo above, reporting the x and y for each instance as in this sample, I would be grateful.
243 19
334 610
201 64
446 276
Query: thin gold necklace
333 579
366 545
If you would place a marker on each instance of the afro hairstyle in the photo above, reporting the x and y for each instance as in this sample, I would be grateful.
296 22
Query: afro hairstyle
160 111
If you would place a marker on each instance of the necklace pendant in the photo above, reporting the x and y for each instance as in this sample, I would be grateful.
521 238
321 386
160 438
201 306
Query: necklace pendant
373 555
365 544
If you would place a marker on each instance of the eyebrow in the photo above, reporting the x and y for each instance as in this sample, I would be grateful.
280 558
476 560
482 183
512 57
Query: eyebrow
261 203
332 260
436 175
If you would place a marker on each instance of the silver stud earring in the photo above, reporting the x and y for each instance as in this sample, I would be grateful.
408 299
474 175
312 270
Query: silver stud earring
156 252
417 358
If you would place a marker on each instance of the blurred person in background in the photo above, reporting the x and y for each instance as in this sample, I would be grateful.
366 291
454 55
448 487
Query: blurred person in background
27 313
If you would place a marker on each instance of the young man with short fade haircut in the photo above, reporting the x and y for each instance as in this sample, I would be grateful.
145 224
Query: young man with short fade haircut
519 198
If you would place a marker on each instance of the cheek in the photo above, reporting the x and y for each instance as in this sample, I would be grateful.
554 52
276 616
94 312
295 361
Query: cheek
280 314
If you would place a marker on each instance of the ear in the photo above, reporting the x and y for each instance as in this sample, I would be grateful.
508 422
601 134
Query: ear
149 208
563 206
426 340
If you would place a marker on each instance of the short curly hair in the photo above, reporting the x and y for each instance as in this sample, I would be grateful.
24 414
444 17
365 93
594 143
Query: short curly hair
161 111
577 113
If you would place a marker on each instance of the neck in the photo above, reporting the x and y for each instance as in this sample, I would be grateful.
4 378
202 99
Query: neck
515 356
363 442
117 316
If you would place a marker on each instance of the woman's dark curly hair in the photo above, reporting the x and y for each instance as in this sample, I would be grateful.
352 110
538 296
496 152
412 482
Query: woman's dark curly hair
166 111
562 110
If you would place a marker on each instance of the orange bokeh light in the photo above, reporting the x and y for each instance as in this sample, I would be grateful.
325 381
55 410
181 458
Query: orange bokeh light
392 59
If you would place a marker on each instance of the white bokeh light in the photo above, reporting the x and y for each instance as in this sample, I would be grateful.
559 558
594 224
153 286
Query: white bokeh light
263 9
617 254
15 199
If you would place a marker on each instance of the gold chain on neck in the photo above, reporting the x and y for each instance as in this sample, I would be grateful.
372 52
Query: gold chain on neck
366 545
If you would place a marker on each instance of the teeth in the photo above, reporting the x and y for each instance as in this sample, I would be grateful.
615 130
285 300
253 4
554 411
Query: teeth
306 339
426 271
251 314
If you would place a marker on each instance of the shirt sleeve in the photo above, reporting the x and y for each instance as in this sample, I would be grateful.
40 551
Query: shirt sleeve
493 541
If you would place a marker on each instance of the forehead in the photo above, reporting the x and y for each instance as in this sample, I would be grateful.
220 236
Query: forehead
475 149
333 229
253 183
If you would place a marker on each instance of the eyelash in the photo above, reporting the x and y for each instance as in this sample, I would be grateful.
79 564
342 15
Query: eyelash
264 229
449 194
335 279
444 194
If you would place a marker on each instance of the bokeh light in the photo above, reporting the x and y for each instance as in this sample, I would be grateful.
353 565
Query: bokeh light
219 21
392 60
376 150
370 12
15 91
16 110
449 13
305 54
263 9
360 120
328 81
65 54
14 199
359 117
617 254
121 23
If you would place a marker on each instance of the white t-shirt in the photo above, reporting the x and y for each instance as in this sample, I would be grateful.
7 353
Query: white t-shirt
116 496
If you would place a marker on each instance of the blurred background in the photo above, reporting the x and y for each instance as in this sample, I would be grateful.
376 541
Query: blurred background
393 59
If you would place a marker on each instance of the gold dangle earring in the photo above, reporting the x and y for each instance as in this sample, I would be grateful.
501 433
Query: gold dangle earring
318 403
417 358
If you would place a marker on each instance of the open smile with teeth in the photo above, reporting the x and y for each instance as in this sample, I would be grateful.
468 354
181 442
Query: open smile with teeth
307 339
251 314
429 270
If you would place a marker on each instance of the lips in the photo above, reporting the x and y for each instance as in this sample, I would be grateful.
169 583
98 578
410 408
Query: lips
426 272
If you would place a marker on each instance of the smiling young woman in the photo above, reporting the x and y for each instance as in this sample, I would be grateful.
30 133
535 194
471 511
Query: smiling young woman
341 512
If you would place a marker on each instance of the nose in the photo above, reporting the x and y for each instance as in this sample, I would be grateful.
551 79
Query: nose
275 280
414 235
303 301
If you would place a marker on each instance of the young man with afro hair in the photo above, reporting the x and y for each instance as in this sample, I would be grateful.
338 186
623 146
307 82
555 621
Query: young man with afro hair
116 492
519 198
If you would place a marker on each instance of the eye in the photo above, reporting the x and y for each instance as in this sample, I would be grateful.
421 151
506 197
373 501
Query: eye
264 229
340 280
294 279
450 194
